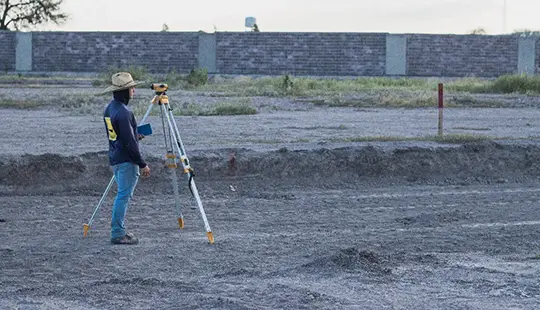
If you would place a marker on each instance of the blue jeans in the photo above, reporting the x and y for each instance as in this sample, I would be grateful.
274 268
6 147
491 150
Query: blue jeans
126 175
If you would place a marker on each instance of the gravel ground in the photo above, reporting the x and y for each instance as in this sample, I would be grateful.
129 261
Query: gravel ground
406 247
69 122
302 218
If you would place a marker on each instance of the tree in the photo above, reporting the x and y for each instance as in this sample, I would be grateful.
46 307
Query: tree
256 28
479 31
19 14
164 28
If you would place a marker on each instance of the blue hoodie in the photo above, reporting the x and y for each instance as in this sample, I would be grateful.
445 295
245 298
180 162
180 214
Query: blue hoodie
121 129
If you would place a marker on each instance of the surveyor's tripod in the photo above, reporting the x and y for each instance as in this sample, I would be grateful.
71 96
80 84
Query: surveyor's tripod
175 155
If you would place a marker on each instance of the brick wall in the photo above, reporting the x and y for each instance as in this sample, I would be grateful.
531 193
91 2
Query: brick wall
469 55
98 51
324 54
301 53
7 51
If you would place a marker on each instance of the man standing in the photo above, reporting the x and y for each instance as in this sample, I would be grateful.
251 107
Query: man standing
124 155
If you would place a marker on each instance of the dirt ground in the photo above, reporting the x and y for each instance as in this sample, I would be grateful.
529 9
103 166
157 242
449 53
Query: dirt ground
301 220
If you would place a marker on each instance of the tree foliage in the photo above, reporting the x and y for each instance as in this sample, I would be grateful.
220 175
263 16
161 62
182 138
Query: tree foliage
479 31
20 14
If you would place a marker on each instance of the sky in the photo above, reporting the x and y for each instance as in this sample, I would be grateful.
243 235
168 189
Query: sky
393 16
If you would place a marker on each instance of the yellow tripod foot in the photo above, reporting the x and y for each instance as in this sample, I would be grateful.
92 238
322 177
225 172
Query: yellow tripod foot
210 237
86 228
181 223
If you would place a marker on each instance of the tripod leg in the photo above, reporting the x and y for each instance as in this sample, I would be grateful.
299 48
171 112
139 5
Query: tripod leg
107 190
189 172
174 180
172 165
146 114
201 209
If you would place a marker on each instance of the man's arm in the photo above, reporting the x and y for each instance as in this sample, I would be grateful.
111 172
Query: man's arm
129 138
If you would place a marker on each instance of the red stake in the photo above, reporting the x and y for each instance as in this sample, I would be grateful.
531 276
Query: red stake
441 108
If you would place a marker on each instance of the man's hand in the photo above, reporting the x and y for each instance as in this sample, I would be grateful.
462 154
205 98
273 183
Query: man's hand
145 171
140 137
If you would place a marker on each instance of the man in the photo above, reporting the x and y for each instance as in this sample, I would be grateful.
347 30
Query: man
124 155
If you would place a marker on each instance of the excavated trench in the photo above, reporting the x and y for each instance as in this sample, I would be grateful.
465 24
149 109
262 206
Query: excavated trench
471 163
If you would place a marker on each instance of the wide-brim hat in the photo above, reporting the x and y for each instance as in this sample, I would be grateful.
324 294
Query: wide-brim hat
120 81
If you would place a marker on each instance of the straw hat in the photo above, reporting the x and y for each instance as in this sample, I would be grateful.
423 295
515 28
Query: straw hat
120 81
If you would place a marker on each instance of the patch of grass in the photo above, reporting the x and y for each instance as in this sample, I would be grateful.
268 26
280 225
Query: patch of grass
517 84
459 138
469 85
319 127
291 86
311 87
18 104
472 128
194 109
505 84
403 99
235 109
383 98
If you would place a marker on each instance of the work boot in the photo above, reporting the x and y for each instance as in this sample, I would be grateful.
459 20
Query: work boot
128 238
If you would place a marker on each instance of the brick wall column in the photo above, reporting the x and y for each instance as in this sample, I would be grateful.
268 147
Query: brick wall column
207 52
396 54
23 51
527 56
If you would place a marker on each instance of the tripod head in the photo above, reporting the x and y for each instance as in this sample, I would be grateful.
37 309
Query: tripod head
159 88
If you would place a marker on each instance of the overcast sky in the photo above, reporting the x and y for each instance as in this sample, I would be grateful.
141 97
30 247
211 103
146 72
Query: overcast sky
394 16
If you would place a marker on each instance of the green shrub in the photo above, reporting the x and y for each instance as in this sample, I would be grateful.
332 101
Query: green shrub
286 84
198 77
174 79
138 73
516 84
470 85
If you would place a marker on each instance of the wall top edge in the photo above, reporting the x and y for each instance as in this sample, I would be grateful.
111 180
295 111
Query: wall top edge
272 33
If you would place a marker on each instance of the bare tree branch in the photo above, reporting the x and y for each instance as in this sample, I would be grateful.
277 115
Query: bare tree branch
27 13
4 4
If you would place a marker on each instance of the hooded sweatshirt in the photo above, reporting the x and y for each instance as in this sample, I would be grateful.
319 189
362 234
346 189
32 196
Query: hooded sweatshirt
121 129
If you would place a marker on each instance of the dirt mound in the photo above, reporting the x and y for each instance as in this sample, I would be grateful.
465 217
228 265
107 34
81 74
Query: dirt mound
47 168
470 164
352 260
